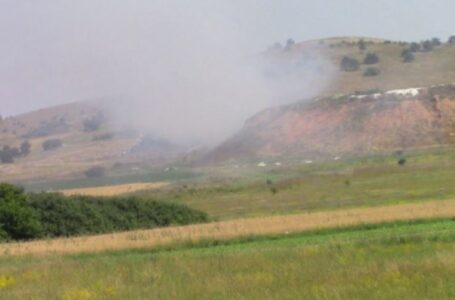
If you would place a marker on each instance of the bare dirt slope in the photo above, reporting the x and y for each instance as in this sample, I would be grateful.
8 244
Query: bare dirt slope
396 120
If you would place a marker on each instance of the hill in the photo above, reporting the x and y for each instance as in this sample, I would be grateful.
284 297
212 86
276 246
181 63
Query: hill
76 140
402 106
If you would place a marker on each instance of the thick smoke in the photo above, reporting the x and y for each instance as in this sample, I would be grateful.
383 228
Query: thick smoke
183 70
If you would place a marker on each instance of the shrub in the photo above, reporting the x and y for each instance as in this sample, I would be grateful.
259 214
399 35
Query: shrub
436 42
290 43
415 47
427 46
371 72
402 161
93 123
25 148
349 64
407 56
95 172
451 40
52 144
362 45
371 59
17 219
77 215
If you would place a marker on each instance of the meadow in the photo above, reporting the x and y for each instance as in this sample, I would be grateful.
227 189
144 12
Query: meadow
390 261
297 187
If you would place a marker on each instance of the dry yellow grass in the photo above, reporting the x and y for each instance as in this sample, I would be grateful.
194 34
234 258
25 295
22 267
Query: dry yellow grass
114 190
232 229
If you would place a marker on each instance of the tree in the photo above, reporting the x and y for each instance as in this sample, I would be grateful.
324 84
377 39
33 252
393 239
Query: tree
8 154
427 46
362 45
407 56
93 123
289 44
451 39
371 59
349 64
17 219
51 144
436 42
415 47
25 148
95 172
371 72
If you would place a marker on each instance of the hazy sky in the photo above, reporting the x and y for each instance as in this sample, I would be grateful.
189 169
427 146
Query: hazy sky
57 51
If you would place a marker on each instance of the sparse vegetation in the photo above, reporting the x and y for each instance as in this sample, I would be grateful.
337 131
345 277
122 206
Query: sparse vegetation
371 71
95 172
52 144
371 59
349 64
407 56
94 123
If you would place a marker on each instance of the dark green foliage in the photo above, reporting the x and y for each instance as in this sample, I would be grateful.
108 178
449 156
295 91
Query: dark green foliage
25 148
371 72
79 215
17 219
290 43
371 59
52 144
402 161
407 56
349 64
94 123
415 47
95 172
7 155
362 45
436 42
427 46
27 216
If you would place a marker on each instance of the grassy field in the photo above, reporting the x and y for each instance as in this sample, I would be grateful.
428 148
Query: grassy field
228 230
396 261
297 187
114 190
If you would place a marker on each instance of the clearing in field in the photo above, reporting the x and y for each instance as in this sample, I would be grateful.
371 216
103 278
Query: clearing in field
235 229
114 190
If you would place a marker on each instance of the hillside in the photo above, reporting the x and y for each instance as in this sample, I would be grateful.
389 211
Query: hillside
403 106
85 136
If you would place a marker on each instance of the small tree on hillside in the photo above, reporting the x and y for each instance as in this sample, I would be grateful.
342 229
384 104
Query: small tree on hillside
372 71
451 40
362 45
289 44
371 59
407 56
25 148
349 64
52 144
436 42
427 46
415 47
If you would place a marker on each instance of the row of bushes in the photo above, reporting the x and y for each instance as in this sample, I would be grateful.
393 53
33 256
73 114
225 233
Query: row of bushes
29 216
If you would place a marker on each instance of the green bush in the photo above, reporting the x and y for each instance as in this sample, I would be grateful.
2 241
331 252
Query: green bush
371 72
79 215
28 216
371 59
349 64
17 219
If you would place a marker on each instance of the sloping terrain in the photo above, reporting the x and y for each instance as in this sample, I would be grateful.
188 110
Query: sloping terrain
396 120
84 136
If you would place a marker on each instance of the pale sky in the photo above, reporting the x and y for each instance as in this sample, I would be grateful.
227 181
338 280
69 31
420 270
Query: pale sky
57 51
